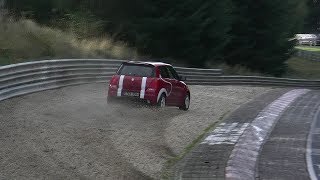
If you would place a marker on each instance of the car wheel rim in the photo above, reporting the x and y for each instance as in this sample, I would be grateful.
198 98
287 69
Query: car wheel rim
187 102
163 102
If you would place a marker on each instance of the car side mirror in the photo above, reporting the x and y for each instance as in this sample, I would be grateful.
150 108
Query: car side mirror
182 78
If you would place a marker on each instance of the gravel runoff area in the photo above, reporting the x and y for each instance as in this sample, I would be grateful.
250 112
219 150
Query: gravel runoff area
73 133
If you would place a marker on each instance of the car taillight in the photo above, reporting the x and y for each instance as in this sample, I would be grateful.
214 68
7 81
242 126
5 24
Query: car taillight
114 82
113 86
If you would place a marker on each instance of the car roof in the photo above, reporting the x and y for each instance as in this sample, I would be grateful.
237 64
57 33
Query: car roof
149 63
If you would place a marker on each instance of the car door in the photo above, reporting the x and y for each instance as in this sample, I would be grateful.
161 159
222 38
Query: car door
173 78
179 87
167 78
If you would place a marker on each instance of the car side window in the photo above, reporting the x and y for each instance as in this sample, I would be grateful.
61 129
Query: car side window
164 72
170 73
173 73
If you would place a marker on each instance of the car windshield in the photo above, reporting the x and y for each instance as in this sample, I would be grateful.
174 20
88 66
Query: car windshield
136 70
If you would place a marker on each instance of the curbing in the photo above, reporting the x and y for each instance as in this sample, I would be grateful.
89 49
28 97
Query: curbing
242 161
310 163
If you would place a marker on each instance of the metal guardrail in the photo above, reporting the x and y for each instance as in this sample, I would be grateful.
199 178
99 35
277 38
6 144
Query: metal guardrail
255 80
24 78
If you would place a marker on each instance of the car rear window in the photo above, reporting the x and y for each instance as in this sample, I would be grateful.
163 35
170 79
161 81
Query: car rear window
136 70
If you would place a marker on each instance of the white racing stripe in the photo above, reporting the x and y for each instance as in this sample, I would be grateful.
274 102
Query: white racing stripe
143 87
120 85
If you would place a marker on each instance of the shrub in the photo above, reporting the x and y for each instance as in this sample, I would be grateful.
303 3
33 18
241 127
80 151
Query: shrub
24 39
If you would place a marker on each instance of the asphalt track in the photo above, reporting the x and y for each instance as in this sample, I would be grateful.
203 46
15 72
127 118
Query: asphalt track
276 136
72 133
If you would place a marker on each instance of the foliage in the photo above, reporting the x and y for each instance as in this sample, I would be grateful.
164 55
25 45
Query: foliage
303 69
195 31
261 32
81 23
312 24
250 33
24 39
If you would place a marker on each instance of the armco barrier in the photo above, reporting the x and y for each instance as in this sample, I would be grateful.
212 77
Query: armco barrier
19 79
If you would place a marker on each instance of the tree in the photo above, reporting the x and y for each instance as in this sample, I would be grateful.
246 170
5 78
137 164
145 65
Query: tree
312 24
261 33
42 11
194 31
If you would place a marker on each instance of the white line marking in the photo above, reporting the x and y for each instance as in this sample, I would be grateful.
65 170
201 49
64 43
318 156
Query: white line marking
226 134
120 85
143 87
242 161
309 153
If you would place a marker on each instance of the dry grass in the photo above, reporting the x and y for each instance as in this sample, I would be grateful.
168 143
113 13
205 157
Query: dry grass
25 40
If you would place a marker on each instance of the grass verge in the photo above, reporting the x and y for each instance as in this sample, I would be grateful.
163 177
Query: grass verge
309 48
302 69
298 68
167 173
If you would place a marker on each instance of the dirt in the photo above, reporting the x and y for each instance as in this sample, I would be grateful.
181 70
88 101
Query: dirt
72 133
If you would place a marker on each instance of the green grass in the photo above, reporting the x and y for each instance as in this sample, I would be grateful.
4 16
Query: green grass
303 69
167 173
4 60
298 68
309 48
237 70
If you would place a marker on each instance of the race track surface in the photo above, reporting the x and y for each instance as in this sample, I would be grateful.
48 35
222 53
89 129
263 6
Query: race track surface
275 136
72 133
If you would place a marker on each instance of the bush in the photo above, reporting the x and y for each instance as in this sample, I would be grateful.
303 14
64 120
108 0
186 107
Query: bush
24 39
81 23
261 33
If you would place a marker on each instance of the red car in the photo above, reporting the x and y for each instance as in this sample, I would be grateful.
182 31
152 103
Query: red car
154 82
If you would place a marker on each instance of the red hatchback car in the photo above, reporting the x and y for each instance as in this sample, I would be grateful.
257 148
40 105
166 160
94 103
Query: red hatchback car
154 82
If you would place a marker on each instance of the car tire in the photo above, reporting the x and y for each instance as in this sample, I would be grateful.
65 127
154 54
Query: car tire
162 101
186 103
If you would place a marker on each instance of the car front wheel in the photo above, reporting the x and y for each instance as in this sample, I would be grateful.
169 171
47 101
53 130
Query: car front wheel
186 104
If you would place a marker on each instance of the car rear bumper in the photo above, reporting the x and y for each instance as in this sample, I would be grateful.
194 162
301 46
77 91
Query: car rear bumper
149 97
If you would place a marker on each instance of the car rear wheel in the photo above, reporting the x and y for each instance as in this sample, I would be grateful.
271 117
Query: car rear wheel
162 101
186 104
